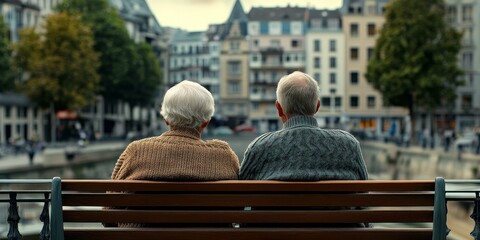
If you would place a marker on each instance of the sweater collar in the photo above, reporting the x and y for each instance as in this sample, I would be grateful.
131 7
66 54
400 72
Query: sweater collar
184 132
302 120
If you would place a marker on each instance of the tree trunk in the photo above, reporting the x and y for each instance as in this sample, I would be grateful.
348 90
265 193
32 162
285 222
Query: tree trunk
53 123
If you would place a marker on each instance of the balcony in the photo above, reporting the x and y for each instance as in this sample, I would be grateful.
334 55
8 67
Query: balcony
271 50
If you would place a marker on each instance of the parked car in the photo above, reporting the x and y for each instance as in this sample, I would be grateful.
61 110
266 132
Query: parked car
223 130
465 141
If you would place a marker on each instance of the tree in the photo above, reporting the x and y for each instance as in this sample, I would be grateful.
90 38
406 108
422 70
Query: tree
415 59
144 75
111 42
7 75
60 62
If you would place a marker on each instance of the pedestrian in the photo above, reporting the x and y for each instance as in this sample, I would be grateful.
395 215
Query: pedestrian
31 150
447 135
477 132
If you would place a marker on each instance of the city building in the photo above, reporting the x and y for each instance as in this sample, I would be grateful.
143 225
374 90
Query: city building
20 120
234 84
464 115
276 39
325 62
364 107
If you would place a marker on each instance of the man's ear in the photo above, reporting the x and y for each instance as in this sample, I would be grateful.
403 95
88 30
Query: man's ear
279 109
318 105
204 124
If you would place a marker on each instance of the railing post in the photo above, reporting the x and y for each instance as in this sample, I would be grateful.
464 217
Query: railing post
476 217
13 219
440 230
45 218
57 215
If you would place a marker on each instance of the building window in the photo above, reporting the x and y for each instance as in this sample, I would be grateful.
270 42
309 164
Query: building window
333 45
333 78
317 62
333 62
234 87
233 67
369 53
354 30
452 14
467 101
316 76
295 43
467 60
263 27
353 53
316 46
467 13
371 101
286 27
468 36
338 101
275 43
234 46
354 78
326 101
354 101
8 111
371 29
255 43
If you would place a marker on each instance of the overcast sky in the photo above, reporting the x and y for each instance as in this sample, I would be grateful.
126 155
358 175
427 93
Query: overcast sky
195 15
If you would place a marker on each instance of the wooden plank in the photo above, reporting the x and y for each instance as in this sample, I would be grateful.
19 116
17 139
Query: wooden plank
264 216
250 234
250 186
241 200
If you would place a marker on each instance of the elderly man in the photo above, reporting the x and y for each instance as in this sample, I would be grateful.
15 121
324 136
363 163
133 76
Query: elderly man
302 151
180 154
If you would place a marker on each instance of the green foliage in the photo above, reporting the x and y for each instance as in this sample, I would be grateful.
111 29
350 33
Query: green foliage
415 57
7 74
112 42
60 61
144 75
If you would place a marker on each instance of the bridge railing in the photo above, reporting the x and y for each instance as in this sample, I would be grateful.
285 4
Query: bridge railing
14 192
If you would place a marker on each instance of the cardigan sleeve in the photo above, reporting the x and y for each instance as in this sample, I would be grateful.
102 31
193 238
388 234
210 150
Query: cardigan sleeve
121 162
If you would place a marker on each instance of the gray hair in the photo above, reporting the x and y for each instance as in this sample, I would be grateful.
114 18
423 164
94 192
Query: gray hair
298 94
187 104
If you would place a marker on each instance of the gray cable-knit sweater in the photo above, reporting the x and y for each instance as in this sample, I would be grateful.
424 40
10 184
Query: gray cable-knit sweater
302 151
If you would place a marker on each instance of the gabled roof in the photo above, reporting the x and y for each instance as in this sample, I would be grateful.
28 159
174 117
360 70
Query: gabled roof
135 10
238 13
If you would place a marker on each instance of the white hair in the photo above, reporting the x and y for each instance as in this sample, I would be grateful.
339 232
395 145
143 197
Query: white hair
187 104
298 94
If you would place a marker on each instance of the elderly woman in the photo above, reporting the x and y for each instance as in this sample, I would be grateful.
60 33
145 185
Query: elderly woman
180 154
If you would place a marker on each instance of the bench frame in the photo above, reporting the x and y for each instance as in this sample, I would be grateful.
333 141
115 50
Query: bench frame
440 230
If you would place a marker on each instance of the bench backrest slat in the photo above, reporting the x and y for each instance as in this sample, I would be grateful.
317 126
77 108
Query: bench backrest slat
231 216
249 234
253 200
250 186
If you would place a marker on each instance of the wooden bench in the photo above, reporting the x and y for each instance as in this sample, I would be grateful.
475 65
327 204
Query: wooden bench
206 210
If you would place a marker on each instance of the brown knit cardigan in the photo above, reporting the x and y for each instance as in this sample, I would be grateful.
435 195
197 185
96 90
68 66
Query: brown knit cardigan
177 155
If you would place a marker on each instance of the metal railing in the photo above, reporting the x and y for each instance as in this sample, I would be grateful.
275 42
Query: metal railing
15 195
466 191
